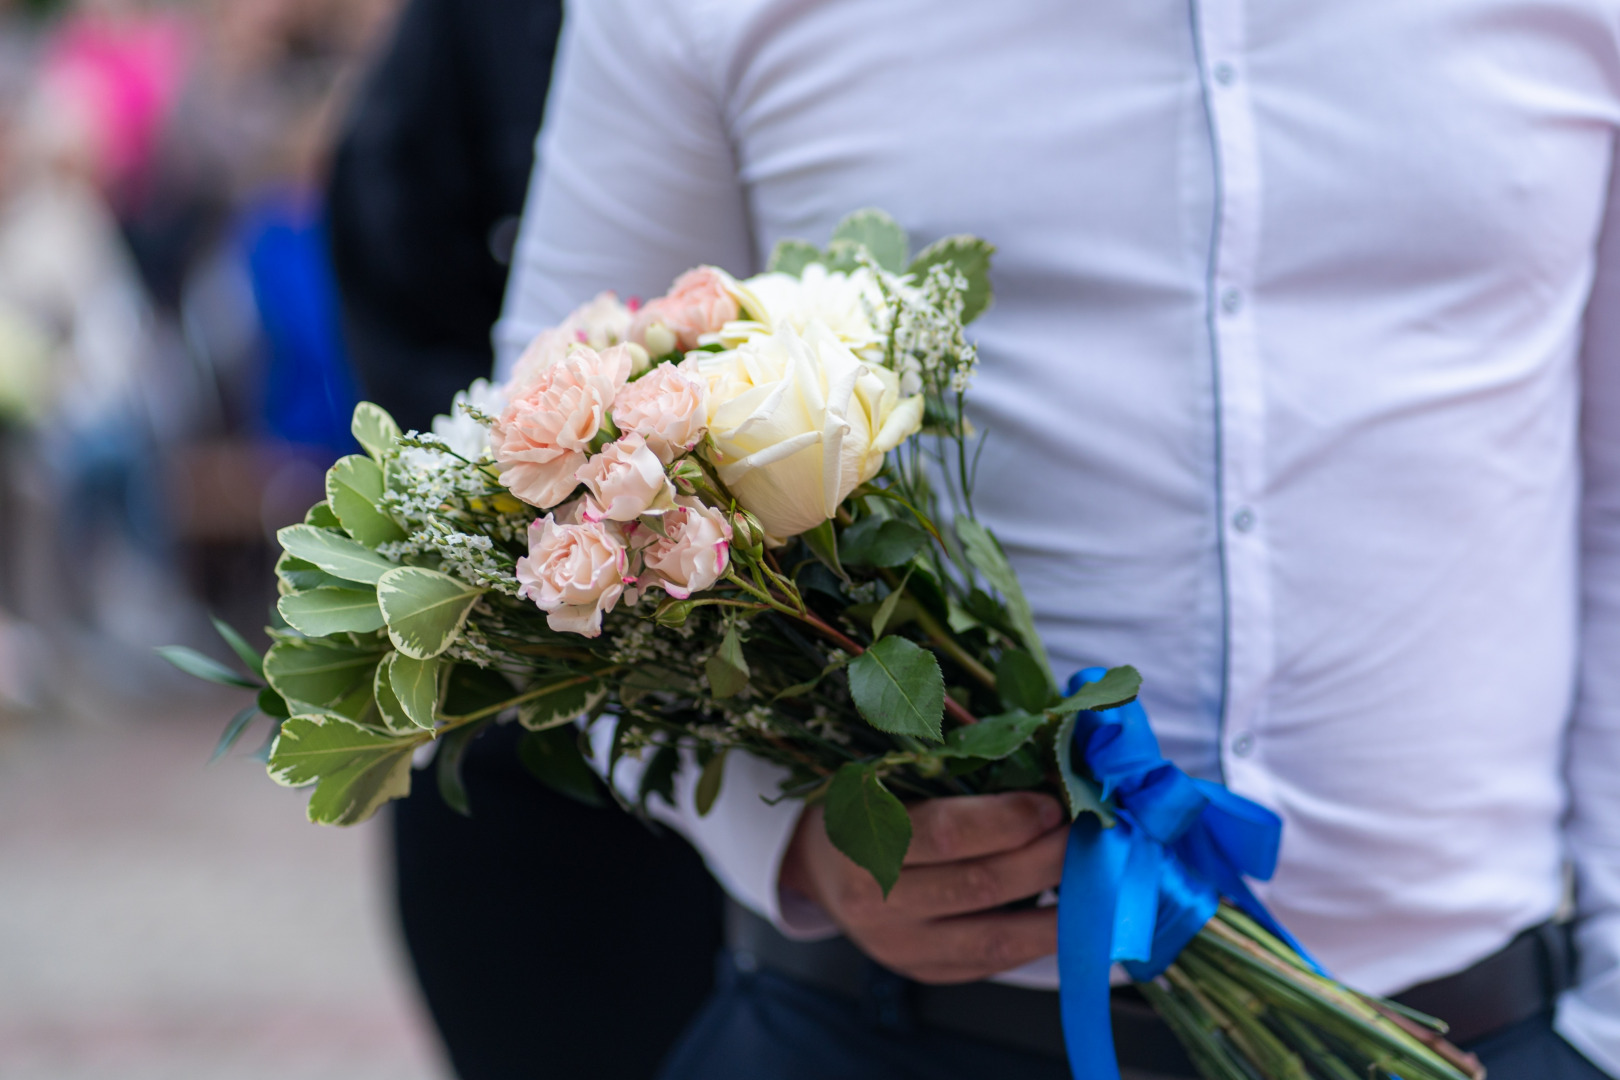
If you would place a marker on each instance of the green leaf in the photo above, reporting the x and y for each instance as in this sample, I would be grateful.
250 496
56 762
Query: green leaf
273 704
994 737
334 553
244 652
792 256
425 609
326 611
354 769
843 256
727 669
899 688
392 712
1119 686
1021 682
196 664
415 684
879 234
658 778
984 553
469 689
823 544
354 487
319 673
867 823
874 542
1078 789
447 766
320 515
891 603
374 429
708 785
296 575
563 706
233 731
553 757
971 257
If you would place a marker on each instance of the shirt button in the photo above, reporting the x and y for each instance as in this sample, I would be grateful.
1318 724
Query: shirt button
1231 301
1243 745
1225 73
1243 520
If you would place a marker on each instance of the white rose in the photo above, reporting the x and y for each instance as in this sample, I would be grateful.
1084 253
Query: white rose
844 303
798 422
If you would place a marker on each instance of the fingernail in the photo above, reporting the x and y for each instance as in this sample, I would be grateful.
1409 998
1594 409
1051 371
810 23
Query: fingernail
1051 814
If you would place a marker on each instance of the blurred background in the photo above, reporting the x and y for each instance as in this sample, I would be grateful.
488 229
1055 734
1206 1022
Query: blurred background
173 384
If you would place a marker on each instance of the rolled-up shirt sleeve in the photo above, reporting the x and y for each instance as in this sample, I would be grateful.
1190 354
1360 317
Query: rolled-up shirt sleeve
1589 1014
635 182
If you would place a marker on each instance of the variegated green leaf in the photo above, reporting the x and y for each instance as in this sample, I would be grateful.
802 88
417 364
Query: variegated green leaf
318 673
320 612
424 608
374 429
334 553
354 487
354 769
416 685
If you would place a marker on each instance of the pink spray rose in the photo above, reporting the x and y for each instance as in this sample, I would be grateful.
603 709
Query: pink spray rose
693 552
541 437
600 323
665 407
627 480
574 573
698 303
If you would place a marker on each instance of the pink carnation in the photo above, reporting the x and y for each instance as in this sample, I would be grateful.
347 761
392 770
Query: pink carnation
574 573
667 408
541 438
627 480
693 552
698 303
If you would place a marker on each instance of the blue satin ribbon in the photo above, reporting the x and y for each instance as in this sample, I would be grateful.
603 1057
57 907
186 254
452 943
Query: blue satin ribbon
1139 892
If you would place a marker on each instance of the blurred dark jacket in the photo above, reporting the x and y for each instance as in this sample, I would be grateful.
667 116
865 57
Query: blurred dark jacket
550 939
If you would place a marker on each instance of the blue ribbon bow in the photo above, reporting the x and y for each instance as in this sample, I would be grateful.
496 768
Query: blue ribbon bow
1140 892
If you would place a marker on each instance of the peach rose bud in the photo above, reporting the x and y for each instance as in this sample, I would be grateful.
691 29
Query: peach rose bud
698 303
667 408
574 573
693 552
626 480
541 438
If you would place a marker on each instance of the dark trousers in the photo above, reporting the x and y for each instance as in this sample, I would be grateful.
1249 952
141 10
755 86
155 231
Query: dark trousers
761 1026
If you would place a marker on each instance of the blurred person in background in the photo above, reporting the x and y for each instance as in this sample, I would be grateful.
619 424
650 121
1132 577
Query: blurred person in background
540 928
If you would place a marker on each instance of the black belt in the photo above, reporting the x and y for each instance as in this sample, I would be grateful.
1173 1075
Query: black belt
1520 981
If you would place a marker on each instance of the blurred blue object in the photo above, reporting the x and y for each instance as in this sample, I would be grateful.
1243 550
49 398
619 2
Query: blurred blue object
309 389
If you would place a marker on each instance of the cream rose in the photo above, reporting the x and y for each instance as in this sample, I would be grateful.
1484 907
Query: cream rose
798 422
667 407
574 573
844 303
541 437
693 552
700 302
627 480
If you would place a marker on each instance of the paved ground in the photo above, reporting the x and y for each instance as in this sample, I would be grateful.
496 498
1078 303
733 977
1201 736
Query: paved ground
160 919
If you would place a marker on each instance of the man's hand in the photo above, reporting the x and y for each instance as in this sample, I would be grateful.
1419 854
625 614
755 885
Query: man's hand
968 856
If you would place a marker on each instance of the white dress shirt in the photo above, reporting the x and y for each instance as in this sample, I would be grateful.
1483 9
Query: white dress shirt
1302 386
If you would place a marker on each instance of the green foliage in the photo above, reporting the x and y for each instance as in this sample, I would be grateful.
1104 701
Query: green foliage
447 766
471 689
562 706
391 712
659 777
425 609
196 664
898 687
1119 686
416 684
233 731
970 256
319 673
879 234
324 611
374 429
708 785
320 515
334 553
244 652
867 823
886 611
354 769
554 758
994 737
984 554
354 487
823 544
1078 789
872 541
792 256
1021 682
296 575
273 704
727 669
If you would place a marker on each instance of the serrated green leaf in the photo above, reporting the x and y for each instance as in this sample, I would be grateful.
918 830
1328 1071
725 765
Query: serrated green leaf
994 737
879 234
563 706
873 542
1119 686
984 553
447 766
199 666
1078 790
425 609
320 515
886 611
318 673
325 611
708 785
354 487
968 255
554 758
867 823
374 429
334 553
792 256
416 685
727 669
354 769
823 544
244 652
233 731
1021 682
899 688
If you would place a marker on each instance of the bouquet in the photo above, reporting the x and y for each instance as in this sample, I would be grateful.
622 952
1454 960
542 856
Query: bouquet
739 518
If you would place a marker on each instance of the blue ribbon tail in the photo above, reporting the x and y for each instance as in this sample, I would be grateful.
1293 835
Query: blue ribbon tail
1092 869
